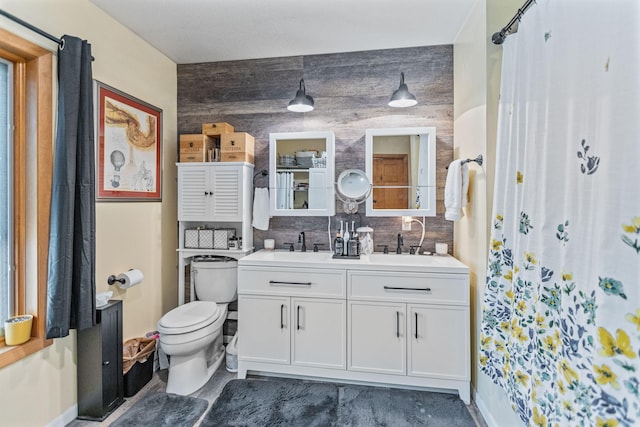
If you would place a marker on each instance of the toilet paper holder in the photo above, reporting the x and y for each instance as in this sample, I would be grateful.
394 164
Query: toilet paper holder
113 279
127 279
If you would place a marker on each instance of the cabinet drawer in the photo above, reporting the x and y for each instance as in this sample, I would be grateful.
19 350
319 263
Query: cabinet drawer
409 287
292 282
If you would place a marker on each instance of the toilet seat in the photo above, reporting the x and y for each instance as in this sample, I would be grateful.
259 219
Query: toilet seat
189 317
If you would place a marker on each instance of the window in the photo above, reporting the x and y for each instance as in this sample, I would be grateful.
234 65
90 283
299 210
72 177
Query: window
26 135
6 192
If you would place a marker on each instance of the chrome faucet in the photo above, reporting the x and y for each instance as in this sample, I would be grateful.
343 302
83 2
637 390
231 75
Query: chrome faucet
302 240
400 243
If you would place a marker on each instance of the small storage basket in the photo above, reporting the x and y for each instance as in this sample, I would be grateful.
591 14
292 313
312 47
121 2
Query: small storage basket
305 158
287 160
205 238
191 238
221 237
319 162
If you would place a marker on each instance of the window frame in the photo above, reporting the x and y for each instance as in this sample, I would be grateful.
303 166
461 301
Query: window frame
10 157
33 151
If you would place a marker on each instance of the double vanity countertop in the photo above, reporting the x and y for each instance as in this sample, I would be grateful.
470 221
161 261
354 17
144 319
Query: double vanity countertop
375 261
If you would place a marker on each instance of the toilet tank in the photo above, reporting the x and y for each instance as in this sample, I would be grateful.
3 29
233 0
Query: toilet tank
215 278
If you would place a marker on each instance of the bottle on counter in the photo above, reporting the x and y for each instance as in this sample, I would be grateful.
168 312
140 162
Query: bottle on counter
338 245
353 247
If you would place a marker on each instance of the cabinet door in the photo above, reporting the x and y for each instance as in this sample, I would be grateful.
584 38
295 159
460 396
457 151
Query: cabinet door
226 194
438 341
318 188
264 322
111 337
318 333
377 337
193 193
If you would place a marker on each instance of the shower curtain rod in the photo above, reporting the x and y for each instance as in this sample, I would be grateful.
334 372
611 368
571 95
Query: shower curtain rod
32 28
500 36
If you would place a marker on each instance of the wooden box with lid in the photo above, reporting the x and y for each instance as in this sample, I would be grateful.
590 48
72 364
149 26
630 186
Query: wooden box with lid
237 147
196 147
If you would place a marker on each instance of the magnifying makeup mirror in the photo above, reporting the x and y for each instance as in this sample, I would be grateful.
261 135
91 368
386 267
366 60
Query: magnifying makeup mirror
353 188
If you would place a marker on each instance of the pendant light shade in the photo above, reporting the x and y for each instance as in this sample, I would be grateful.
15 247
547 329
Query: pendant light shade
402 97
302 102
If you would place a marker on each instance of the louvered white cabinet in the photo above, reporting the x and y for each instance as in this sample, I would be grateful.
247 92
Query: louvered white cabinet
214 195
211 191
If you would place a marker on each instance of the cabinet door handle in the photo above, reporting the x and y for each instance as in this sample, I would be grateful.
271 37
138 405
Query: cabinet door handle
281 316
105 363
275 282
397 324
298 320
416 314
399 288
206 193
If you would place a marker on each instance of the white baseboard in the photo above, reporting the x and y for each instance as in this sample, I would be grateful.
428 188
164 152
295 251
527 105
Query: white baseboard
484 411
65 418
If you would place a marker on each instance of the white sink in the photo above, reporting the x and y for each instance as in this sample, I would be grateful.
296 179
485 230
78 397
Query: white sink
376 261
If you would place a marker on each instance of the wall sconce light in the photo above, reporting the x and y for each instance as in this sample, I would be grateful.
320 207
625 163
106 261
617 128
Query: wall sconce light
302 102
402 97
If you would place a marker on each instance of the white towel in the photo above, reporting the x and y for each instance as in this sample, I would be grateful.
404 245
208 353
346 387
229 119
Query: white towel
261 209
455 190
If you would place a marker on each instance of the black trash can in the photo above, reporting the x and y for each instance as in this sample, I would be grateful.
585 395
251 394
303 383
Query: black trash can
138 356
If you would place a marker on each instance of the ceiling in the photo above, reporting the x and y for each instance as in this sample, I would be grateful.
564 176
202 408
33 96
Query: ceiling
193 31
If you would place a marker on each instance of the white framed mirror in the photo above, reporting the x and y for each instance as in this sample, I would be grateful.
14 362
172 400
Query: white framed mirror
301 174
401 166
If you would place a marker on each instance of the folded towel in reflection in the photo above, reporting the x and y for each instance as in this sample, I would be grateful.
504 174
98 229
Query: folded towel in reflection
455 190
261 209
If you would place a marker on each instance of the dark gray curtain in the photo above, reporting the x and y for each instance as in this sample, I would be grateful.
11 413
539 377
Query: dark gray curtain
71 284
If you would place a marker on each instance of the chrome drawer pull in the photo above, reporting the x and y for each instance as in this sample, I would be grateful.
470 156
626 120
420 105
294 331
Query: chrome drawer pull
275 282
397 288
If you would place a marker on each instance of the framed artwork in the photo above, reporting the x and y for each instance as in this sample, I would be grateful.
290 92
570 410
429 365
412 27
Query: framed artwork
129 147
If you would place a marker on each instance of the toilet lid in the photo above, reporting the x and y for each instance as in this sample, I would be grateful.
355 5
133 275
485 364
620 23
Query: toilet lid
189 317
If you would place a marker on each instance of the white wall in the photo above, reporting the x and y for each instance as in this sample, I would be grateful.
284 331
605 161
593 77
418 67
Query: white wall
38 389
477 81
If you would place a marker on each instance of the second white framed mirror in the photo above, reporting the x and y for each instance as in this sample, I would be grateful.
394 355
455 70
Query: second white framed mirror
401 166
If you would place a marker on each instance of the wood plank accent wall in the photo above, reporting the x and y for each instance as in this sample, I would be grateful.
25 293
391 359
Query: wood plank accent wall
351 92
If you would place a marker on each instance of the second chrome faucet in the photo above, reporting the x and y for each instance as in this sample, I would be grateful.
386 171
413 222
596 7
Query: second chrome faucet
400 244
301 239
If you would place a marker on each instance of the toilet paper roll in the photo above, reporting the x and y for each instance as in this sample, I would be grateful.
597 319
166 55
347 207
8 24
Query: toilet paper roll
129 278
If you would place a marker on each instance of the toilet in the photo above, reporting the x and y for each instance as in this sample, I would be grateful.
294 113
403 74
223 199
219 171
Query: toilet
191 334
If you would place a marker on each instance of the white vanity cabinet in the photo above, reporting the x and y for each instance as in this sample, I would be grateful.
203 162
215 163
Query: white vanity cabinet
292 316
301 173
400 320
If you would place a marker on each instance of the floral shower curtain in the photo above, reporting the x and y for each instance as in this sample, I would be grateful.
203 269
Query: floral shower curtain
561 312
